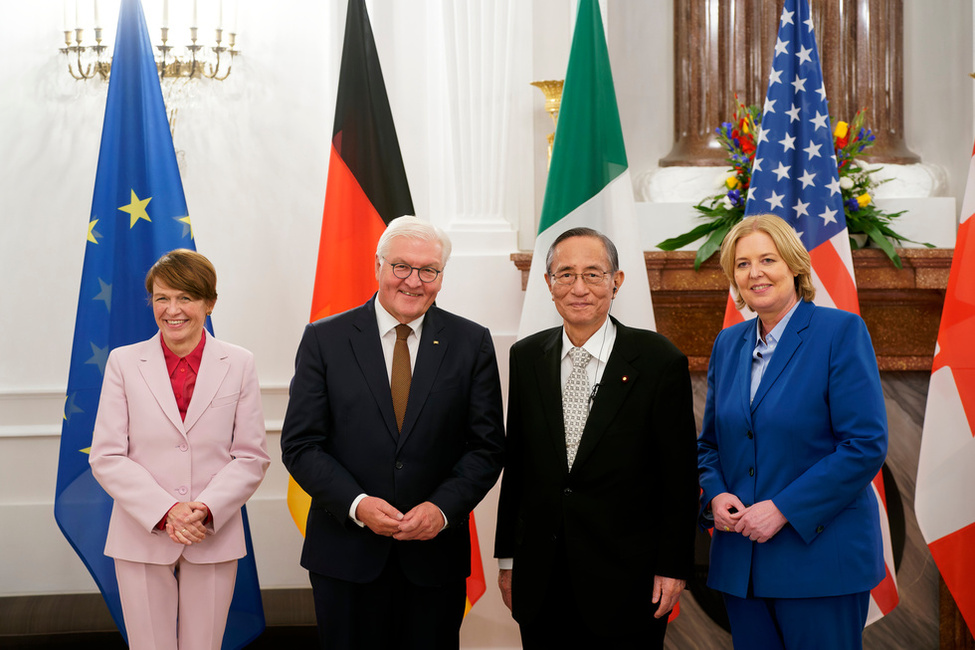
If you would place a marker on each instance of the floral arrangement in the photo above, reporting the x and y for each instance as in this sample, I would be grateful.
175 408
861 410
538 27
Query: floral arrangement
857 186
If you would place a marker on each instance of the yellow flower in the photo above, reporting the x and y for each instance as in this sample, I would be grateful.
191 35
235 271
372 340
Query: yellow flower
841 130
732 182
863 200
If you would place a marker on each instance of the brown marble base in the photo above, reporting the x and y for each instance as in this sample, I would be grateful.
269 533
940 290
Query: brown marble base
902 307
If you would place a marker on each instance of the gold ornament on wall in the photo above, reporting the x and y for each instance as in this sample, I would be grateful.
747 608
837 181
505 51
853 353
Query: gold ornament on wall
553 100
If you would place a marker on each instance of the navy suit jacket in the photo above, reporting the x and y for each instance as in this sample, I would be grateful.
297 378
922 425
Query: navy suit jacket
340 440
811 441
626 512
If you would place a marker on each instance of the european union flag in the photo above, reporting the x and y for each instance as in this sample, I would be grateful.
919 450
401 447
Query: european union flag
138 213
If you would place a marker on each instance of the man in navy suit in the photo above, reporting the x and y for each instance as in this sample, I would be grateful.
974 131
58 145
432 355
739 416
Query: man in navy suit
596 519
393 479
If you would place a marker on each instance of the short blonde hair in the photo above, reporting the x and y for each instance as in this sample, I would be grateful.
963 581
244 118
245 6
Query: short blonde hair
786 241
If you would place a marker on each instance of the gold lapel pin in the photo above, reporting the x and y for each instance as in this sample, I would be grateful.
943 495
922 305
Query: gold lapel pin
436 342
625 379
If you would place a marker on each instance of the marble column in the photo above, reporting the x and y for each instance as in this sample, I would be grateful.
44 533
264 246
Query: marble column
724 47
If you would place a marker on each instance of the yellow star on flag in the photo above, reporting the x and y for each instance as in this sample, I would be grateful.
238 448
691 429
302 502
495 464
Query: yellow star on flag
137 209
91 231
186 220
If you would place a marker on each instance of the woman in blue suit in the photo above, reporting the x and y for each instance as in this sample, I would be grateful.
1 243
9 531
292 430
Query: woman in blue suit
794 431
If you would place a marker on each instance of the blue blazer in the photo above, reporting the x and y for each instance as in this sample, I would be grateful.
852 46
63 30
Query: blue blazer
339 440
811 441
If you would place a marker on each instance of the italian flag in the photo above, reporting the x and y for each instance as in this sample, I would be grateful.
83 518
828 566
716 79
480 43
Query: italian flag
589 181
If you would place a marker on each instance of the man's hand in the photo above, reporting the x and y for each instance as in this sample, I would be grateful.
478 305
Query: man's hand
666 592
727 509
184 522
504 584
380 517
421 523
760 522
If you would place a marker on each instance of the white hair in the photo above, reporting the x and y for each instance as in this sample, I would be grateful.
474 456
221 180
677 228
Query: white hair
414 228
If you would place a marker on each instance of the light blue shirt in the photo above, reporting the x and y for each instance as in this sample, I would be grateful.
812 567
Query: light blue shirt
762 354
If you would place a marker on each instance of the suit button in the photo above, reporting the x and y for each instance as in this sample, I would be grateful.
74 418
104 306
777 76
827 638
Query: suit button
184 447
181 489
751 471
399 464
750 435
567 491
819 529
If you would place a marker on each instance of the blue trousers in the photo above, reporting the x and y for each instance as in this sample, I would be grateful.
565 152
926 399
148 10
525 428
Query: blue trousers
834 622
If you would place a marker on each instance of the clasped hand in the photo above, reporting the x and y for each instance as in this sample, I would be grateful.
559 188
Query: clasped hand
423 522
759 522
184 522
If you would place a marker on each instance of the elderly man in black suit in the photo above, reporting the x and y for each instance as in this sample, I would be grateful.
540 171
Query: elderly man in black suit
394 428
599 495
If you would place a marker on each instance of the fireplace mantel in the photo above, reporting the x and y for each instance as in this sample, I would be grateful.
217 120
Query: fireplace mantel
902 307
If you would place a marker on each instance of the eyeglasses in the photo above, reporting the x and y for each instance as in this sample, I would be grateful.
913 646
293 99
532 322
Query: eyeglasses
591 278
402 271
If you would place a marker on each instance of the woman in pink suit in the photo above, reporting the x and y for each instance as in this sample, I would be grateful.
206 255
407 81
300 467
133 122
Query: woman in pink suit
179 444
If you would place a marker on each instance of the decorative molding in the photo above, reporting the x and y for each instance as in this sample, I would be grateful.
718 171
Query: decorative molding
38 412
902 307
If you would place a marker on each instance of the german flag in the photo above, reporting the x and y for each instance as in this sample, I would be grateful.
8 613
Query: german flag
367 186
365 190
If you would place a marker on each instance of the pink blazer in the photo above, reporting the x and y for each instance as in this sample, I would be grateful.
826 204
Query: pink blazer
147 458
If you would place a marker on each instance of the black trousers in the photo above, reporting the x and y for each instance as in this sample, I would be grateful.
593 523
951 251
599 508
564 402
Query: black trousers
561 623
390 612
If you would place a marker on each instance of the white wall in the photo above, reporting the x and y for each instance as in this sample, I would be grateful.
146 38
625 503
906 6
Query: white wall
254 152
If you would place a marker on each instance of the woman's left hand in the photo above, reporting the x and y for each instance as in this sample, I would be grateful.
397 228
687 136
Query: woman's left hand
760 522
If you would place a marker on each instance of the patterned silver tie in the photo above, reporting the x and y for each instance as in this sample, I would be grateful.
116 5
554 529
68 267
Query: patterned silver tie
575 402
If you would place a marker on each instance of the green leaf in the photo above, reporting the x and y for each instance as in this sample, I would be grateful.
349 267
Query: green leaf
883 243
680 241
712 245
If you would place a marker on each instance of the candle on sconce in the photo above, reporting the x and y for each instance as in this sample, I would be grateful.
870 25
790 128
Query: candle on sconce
220 16
195 23
64 18
165 20
77 23
97 22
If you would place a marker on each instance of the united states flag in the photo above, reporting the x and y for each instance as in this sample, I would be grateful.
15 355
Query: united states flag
795 177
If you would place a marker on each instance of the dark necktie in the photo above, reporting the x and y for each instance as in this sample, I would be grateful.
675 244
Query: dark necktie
399 383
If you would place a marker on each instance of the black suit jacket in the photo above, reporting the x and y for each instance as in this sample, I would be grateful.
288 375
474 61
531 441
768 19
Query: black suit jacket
627 510
339 440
